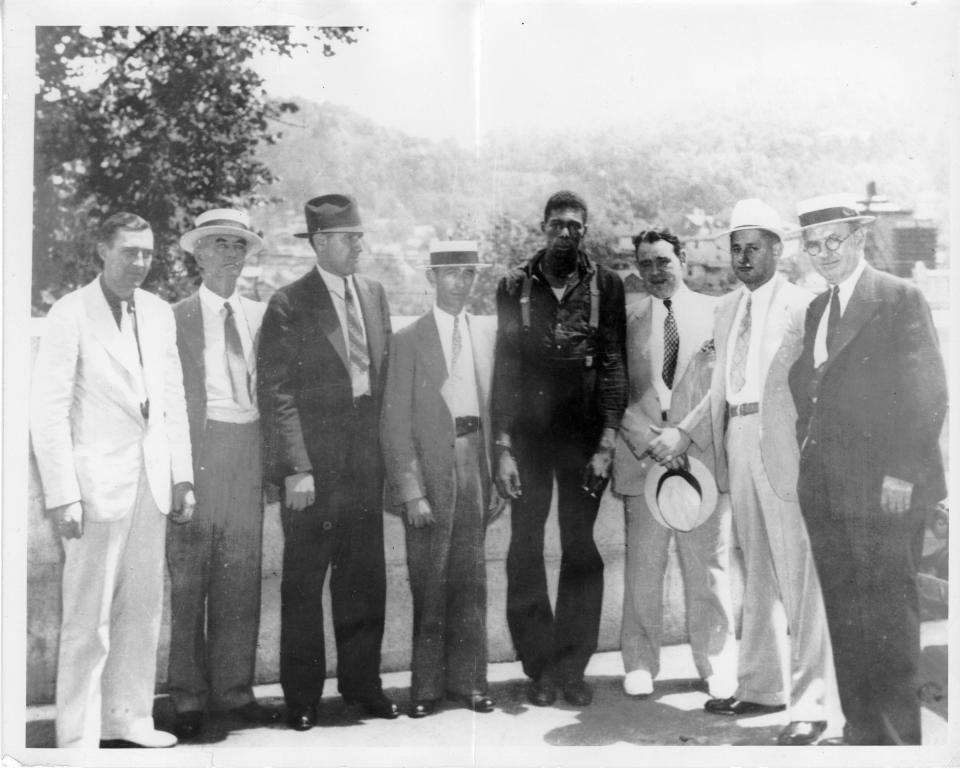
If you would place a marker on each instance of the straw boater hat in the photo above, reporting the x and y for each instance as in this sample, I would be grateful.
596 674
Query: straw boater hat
331 213
754 214
827 209
221 221
681 499
455 253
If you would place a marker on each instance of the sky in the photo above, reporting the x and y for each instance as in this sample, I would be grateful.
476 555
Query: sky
462 69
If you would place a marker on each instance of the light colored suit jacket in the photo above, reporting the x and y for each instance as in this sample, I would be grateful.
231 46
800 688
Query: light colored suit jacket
417 427
89 436
644 410
780 347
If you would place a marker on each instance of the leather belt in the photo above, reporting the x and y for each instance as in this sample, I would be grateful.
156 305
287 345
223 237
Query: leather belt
663 416
466 425
742 409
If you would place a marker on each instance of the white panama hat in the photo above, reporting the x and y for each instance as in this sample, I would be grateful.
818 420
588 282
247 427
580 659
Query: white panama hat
221 221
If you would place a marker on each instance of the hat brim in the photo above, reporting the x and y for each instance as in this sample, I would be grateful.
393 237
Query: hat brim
671 519
188 241
329 229
862 219
463 264
782 233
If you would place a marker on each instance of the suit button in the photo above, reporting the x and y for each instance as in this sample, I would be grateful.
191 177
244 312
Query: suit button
327 525
813 399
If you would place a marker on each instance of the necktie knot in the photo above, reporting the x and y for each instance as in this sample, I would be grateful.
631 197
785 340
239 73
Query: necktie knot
668 303
228 308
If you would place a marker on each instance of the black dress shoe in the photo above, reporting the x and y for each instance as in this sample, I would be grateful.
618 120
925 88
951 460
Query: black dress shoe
731 706
302 718
801 732
422 708
478 703
188 724
542 691
377 705
255 713
578 693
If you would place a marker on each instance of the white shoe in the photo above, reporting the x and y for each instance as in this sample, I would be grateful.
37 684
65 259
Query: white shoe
638 683
151 738
720 686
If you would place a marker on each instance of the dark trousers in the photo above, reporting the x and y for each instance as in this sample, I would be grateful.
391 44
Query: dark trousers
214 563
342 530
448 579
559 644
867 563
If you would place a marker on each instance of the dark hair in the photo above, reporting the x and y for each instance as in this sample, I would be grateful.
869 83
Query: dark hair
653 235
120 221
564 199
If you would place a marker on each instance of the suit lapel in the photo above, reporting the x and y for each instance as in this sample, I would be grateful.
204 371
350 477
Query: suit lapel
773 326
104 328
192 336
481 360
431 350
862 306
371 323
327 318
726 312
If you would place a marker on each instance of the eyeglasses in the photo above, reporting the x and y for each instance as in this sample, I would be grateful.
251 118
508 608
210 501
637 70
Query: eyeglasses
559 225
832 243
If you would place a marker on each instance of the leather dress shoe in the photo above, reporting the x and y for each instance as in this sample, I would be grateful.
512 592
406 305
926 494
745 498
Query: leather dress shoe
422 708
377 705
142 738
478 703
255 713
301 719
578 693
542 691
801 732
188 724
731 706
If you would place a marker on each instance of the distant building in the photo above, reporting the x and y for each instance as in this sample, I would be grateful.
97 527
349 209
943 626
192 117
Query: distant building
897 240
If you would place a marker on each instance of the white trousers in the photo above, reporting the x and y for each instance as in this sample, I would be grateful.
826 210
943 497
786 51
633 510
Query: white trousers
112 602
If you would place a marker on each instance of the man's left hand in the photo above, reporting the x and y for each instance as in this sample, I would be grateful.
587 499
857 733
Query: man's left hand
669 447
895 495
599 464
184 502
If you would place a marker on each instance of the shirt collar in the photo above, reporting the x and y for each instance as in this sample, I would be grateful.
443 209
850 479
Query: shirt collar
445 319
215 302
584 265
847 285
335 282
112 299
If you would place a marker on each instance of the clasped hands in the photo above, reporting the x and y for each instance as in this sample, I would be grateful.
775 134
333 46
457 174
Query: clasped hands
669 447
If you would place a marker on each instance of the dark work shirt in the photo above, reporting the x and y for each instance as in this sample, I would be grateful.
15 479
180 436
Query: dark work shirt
560 359
114 301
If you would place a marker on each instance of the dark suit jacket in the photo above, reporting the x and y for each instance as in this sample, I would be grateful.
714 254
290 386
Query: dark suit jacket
881 399
305 394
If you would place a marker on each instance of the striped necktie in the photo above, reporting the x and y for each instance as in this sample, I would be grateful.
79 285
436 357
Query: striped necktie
738 364
357 347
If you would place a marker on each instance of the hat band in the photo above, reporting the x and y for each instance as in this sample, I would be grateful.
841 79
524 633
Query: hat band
449 258
827 215
225 223
688 477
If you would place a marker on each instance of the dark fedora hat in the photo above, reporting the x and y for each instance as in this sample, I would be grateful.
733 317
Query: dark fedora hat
331 213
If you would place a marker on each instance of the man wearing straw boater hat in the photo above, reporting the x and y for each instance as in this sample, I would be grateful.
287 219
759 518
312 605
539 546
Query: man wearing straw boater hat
669 372
871 394
322 366
435 432
215 561
750 416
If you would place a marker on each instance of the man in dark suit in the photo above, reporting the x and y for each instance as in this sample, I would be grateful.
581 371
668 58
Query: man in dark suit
321 363
215 561
871 395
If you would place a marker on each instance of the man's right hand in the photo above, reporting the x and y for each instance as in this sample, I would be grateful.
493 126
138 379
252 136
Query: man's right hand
419 513
68 520
298 491
508 476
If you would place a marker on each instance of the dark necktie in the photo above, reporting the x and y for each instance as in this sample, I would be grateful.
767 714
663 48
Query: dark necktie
131 336
359 358
833 320
236 362
671 344
738 368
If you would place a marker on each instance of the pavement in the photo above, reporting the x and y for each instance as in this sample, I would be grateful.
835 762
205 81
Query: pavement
517 733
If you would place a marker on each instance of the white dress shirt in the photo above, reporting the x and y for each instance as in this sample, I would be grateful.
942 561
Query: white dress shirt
846 291
460 389
753 377
220 403
686 305
359 380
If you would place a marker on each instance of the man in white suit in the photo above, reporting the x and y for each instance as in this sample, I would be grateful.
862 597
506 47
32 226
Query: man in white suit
665 331
750 416
109 428
215 562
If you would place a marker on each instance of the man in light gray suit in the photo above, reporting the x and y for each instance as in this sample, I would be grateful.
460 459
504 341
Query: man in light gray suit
215 561
750 417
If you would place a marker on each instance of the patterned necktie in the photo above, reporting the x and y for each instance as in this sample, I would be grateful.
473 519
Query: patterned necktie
671 344
457 345
359 358
236 362
833 320
738 367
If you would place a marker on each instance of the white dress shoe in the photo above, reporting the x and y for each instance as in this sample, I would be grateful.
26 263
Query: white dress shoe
638 683
721 687
151 738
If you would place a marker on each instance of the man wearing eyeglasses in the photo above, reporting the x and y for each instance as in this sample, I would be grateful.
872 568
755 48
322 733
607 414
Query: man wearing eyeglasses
215 561
109 429
750 417
559 392
321 367
871 395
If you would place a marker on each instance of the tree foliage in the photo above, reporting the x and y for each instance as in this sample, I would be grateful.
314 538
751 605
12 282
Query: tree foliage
161 121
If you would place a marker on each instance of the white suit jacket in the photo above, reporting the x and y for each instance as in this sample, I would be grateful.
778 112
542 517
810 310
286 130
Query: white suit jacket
89 437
